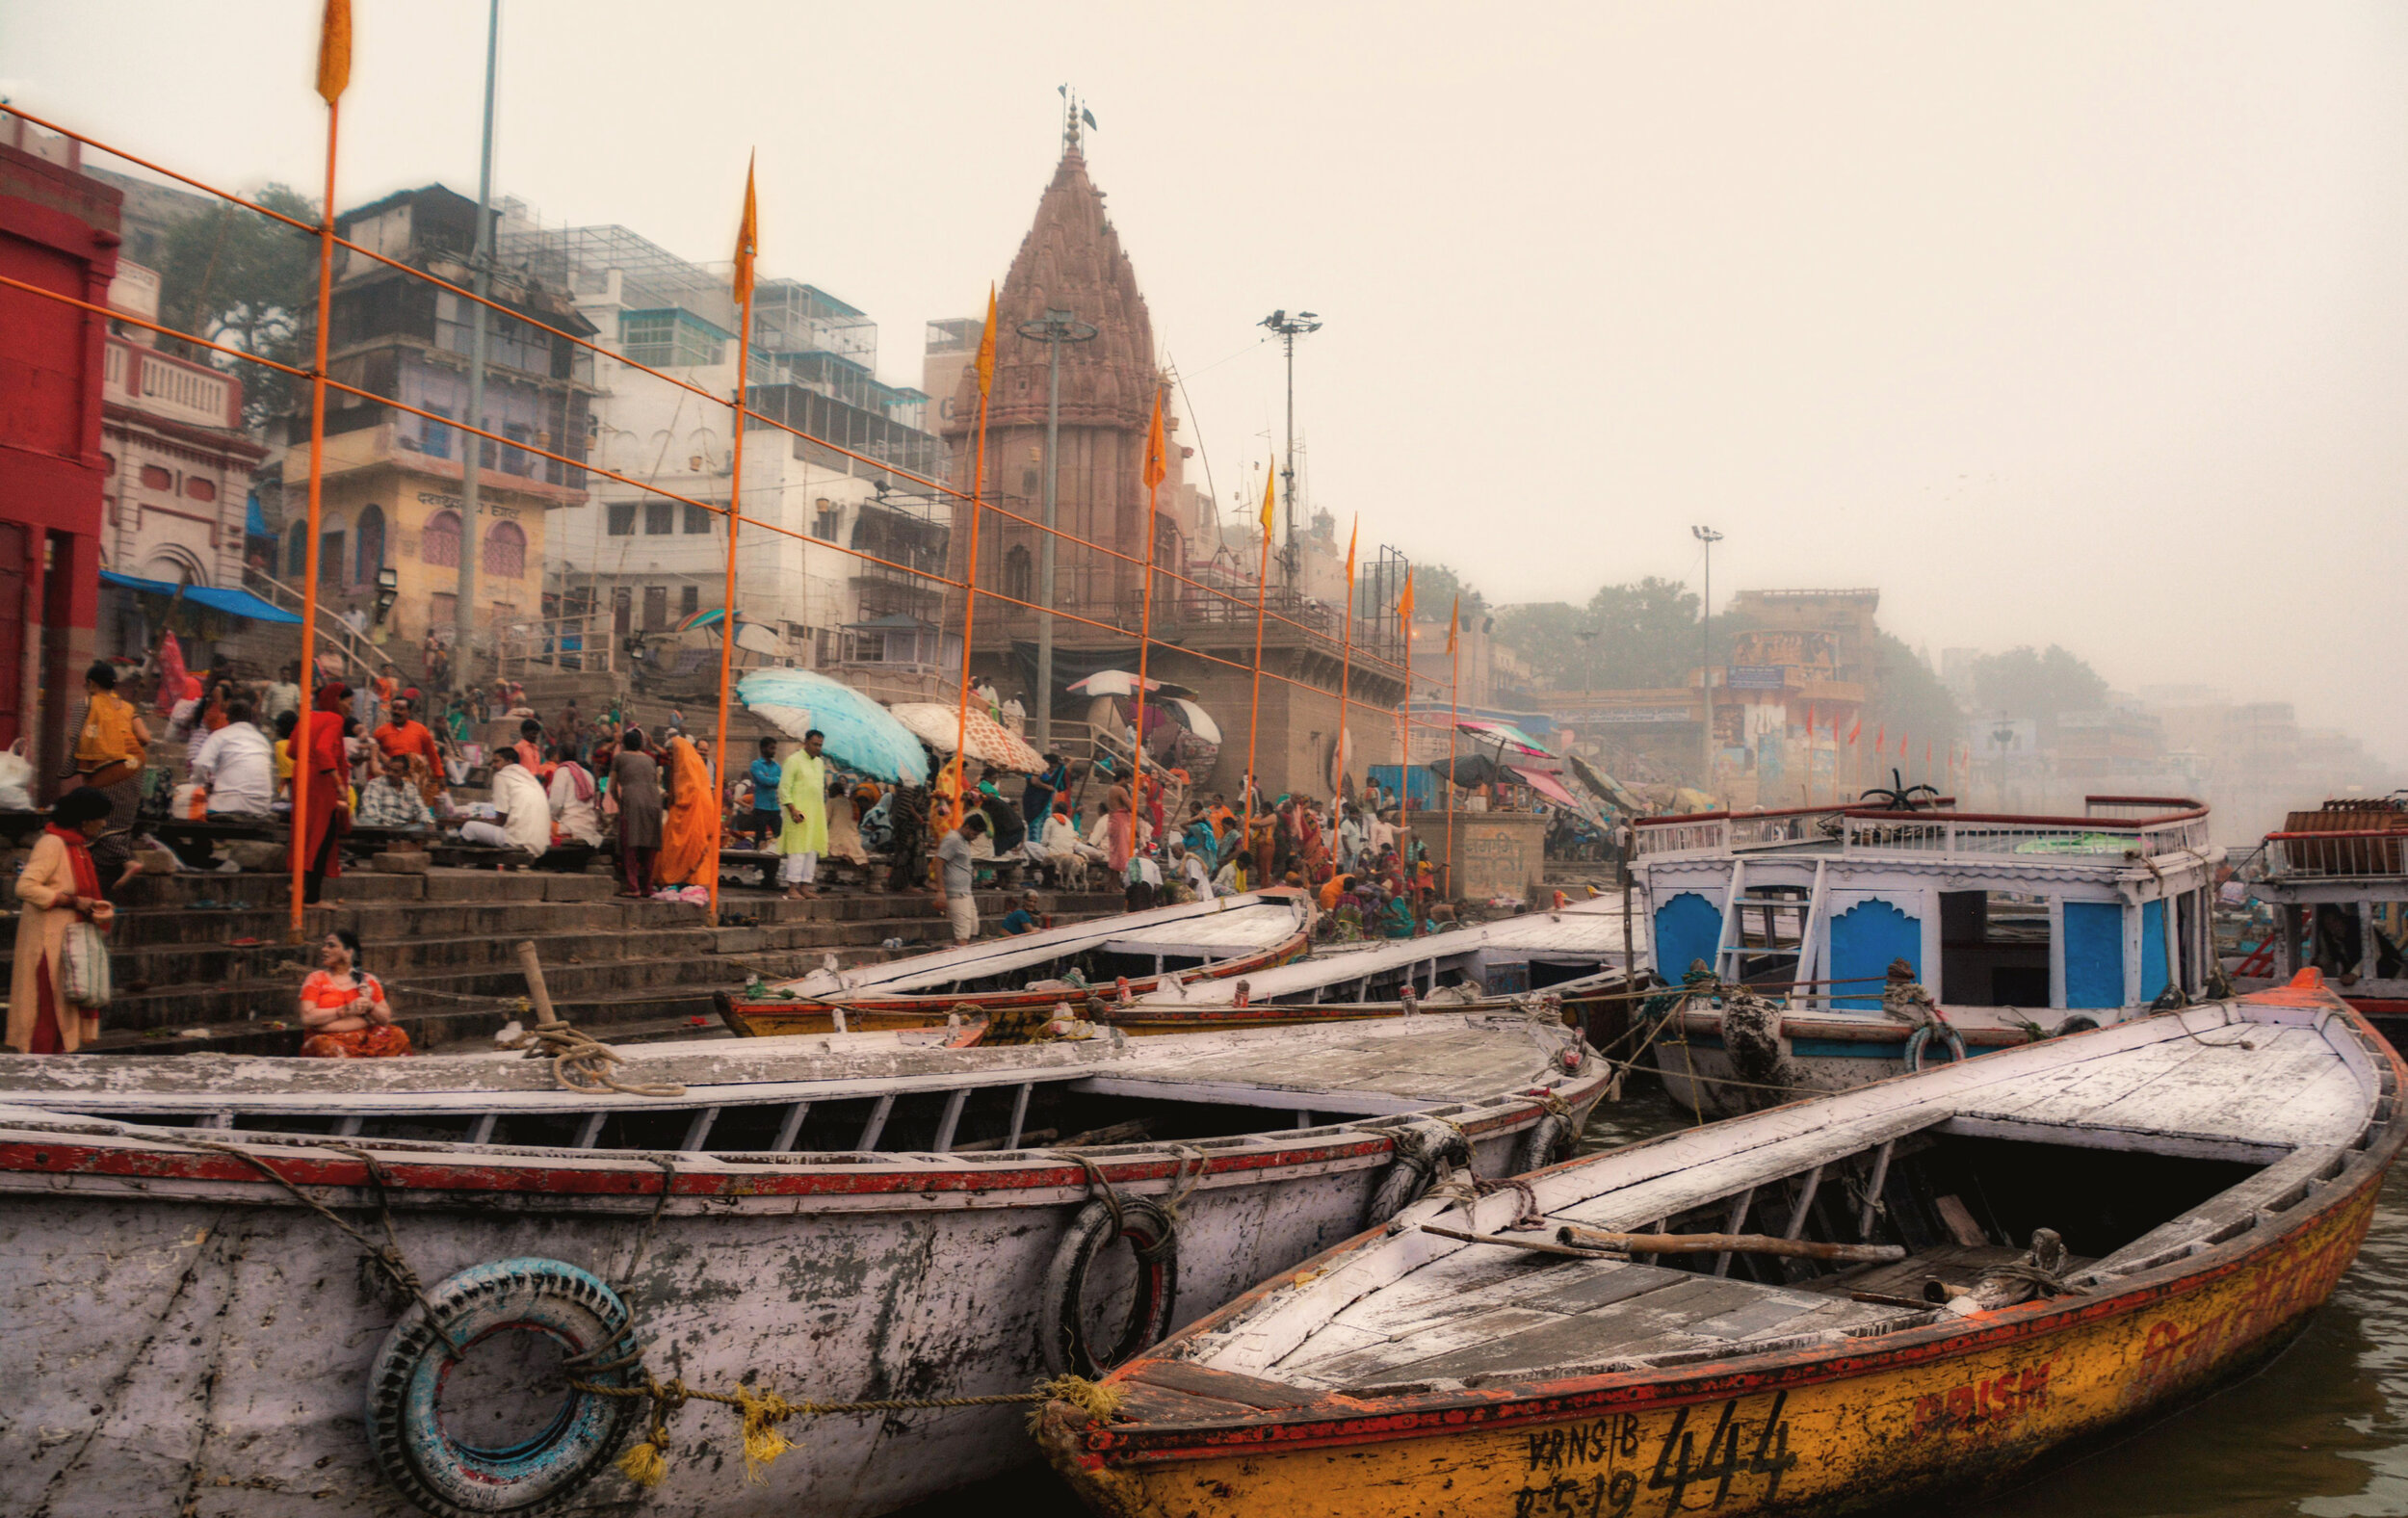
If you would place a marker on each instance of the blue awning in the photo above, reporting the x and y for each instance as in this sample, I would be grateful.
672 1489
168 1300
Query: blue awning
233 603
254 520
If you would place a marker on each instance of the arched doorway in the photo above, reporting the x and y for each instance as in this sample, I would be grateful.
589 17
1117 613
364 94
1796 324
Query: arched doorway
505 555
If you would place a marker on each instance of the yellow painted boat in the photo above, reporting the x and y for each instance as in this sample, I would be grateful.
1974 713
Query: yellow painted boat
1930 1284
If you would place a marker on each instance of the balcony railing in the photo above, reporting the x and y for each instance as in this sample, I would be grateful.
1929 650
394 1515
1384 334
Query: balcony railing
1862 830
2369 853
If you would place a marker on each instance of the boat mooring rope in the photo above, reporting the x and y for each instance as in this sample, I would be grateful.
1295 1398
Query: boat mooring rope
583 1062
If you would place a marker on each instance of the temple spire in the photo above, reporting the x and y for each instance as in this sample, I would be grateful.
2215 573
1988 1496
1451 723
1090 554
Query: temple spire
1073 115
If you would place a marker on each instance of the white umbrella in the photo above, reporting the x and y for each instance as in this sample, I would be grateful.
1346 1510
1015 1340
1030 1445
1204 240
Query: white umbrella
1195 718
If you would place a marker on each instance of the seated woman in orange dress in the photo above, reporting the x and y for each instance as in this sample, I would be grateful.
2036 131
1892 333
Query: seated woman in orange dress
343 1007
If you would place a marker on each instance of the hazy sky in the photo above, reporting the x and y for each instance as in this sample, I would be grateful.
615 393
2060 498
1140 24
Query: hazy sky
2082 323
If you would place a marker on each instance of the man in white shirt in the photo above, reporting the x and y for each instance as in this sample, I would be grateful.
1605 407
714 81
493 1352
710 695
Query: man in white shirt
1015 714
526 823
238 764
1189 871
573 801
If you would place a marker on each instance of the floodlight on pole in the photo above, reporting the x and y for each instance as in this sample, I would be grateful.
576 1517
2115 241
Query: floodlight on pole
1706 647
1290 326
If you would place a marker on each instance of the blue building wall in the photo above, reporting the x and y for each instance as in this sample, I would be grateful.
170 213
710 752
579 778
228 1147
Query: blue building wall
2094 954
1688 927
1864 940
2153 979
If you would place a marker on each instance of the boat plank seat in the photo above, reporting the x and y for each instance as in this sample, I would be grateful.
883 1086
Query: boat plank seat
1952 1261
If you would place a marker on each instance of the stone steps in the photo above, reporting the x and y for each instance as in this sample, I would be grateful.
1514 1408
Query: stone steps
445 944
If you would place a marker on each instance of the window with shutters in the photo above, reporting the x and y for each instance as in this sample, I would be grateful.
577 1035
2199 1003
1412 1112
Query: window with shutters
505 556
439 544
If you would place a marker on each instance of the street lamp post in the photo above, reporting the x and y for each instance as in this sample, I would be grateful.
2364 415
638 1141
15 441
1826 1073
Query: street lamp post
481 261
1706 647
1290 328
1056 328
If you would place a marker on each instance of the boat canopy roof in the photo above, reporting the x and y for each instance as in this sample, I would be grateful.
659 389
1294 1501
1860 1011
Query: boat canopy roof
2112 831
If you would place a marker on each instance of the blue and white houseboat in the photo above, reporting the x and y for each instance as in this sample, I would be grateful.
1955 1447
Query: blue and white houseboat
2336 880
1849 943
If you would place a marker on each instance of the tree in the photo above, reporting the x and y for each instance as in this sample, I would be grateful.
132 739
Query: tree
2022 682
1435 588
1907 700
1643 633
240 279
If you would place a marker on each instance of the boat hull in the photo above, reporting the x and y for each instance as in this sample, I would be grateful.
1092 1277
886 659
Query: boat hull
1803 1432
774 1017
182 1327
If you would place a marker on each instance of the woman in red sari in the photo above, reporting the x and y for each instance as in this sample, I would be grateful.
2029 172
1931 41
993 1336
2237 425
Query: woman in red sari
343 1007
59 886
319 743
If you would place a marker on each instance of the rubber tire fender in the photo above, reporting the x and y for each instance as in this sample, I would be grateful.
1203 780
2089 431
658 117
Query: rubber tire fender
1421 1148
1919 1040
1062 1321
1549 1141
450 1479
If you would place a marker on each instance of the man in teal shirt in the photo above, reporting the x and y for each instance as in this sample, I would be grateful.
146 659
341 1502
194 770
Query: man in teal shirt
766 775
802 798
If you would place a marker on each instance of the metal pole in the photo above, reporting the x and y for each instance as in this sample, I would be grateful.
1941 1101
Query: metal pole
1706 651
1060 326
1044 692
1286 468
303 734
481 271
717 770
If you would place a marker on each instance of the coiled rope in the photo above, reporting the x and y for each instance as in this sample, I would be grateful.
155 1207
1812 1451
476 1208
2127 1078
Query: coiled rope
583 1062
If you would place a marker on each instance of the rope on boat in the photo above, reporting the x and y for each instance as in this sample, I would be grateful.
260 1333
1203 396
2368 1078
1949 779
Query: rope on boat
647 1463
388 1255
583 1062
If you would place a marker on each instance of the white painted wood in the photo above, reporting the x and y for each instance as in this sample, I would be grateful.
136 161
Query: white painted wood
591 1131
876 1128
1734 1223
1872 1187
790 1128
698 1129
482 1129
951 1121
1019 1112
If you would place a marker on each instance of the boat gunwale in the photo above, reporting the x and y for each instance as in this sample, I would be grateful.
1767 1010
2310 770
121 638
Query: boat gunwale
105 1150
1087 934
1343 1419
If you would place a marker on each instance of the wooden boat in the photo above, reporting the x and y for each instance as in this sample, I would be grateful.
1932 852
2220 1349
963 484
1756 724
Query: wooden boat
1574 954
2077 1235
2015 926
2336 882
1017 983
844 1217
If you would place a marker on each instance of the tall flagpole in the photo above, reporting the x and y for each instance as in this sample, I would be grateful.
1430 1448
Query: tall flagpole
969 575
747 245
1454 715
1155 469
1254 706
334 72
1345 663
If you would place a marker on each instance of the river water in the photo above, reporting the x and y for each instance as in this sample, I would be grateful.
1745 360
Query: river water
2321 1432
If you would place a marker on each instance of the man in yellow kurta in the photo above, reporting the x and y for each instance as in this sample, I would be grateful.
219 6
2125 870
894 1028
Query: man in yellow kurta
803 800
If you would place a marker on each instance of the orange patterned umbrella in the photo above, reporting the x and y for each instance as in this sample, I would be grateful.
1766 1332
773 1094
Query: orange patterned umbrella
986 740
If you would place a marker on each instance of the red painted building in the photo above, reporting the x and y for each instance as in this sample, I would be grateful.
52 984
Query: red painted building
57 232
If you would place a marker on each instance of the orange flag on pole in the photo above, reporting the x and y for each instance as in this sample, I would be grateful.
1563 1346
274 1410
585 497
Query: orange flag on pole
1810 723
1902 746
1404 602
1454 615
1853 733
1270 483
1357 532
986 346
335 50
1157 466
748 242
1880 739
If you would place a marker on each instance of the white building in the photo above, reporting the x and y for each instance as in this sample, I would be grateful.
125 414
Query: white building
652 561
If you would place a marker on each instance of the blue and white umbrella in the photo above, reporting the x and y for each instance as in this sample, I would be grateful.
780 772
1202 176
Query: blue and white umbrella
860 734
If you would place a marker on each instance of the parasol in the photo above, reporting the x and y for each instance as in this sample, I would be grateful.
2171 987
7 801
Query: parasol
1468 769
1515 747
1607 787
1195 718
987 742
1120 682
861 735
757 636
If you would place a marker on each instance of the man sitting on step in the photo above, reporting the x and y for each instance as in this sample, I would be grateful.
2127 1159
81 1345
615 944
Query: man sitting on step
526 823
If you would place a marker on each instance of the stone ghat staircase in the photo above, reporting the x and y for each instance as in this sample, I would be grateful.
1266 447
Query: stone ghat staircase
201 959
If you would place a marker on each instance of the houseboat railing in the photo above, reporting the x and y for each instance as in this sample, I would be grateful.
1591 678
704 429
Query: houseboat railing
2117 827
2365 853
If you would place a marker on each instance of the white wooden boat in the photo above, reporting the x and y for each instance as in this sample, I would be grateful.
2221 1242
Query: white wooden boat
2337 881
844 1217
1574 952
2016 927
1013 981
2066 1239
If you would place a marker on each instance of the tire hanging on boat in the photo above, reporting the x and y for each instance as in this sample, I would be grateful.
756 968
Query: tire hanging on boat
1548 1142
1154 1236
450 1478
1422 1148
1919 1040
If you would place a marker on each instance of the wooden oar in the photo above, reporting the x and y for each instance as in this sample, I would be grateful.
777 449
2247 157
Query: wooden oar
1727 1243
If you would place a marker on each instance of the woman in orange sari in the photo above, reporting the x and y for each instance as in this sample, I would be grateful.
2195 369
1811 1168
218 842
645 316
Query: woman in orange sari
343 1007
690 819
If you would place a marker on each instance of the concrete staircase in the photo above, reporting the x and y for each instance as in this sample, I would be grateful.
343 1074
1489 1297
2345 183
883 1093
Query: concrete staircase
201 962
